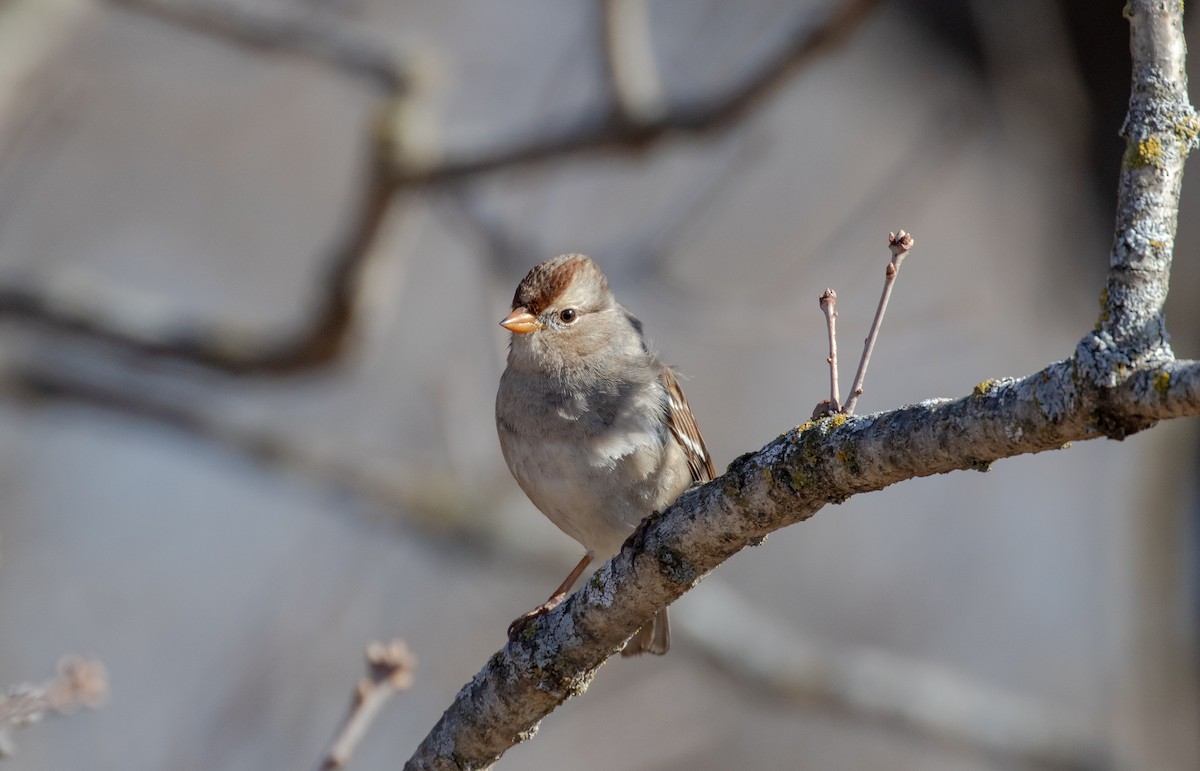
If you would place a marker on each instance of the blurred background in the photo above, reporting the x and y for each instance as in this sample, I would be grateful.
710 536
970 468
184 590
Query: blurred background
253 254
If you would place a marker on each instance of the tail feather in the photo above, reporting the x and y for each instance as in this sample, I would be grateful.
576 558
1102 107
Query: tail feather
654 637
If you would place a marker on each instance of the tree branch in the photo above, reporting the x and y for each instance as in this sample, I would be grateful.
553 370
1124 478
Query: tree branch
789 668
303 34
615 127
320 340
1121 379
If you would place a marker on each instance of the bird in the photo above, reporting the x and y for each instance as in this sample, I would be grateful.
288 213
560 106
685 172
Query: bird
592 424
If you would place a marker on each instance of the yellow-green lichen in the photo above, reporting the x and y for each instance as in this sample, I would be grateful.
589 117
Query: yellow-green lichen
1147 152
1103 309
836 420
1162 381
1188 128
984 388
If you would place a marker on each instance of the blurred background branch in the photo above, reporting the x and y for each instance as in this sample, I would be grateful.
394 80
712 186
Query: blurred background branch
79 683
320 339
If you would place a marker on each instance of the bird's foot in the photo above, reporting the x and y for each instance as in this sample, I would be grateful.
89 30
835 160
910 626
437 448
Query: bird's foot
518 627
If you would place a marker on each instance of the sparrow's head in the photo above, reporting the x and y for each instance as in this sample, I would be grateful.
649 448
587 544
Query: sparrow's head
563 311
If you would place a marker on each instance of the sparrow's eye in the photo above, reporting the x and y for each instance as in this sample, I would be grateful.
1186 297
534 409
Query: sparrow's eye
568 315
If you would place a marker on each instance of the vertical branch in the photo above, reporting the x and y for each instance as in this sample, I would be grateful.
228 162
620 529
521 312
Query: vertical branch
828 305
1160 129
629 61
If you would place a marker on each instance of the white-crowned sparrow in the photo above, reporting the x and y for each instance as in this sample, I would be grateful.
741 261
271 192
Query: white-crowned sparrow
593 426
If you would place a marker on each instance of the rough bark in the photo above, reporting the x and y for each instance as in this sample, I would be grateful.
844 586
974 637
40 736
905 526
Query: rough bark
1121 378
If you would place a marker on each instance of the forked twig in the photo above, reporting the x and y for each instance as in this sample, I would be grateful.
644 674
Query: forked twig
899 243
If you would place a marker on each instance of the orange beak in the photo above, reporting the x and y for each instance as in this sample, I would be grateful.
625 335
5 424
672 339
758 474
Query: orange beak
521 321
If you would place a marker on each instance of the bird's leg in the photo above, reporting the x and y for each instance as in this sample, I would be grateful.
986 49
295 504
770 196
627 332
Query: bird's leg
550 604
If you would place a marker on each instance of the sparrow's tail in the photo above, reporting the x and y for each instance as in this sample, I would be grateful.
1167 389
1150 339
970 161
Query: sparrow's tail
654 637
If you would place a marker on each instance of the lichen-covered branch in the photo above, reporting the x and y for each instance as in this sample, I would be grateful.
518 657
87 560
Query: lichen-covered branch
1122 378
788 481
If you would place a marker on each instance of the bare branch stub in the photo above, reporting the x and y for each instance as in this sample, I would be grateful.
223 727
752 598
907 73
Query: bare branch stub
389 671
78 683
899 244
828 301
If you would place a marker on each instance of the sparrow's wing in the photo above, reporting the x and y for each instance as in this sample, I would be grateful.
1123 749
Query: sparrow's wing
683 427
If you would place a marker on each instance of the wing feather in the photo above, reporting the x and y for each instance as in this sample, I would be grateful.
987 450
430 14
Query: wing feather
683 427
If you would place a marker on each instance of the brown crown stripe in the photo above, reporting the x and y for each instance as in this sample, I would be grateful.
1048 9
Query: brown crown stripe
546 281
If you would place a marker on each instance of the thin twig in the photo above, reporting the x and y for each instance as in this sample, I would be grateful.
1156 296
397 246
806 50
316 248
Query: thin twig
79 683
303 34
389 671
899 244
828 303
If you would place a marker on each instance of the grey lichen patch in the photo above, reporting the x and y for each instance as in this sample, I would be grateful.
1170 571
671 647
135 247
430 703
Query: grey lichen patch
560 637
675 566
601 584
1054 392
1097 358
443 744
1135 245
509 666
